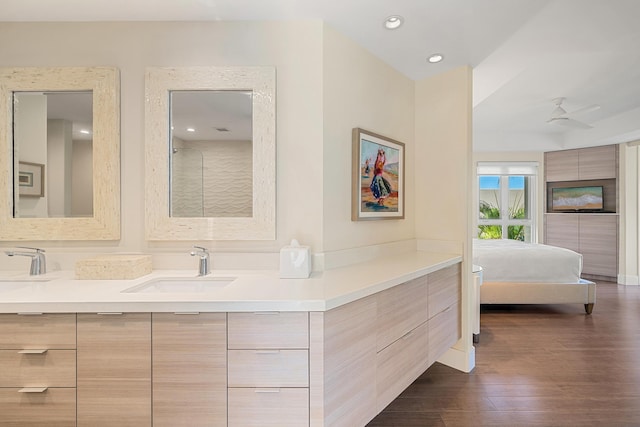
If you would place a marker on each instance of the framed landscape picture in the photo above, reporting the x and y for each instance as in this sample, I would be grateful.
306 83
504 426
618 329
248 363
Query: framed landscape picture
378 177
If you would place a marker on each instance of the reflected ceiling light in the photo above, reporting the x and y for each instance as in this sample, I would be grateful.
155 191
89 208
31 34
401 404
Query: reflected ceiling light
435 58
84 131
393 22
191 130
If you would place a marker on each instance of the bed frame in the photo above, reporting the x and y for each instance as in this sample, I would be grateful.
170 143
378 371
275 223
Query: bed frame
583 292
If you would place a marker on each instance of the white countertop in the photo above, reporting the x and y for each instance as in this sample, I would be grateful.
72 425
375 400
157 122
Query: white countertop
251 291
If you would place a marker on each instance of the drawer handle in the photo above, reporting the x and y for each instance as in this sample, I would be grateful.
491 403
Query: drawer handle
267 390
30 314
109 313
266 313
33 390
33 351
185 313
267 351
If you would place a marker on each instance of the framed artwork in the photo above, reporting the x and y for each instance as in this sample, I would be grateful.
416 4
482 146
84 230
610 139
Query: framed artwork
378 177
31 179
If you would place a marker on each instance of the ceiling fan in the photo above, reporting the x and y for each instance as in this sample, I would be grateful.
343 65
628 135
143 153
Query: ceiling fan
561 117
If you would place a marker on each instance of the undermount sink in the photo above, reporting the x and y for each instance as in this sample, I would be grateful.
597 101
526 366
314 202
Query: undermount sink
181 285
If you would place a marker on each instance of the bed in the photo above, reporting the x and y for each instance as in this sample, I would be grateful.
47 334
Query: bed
515 272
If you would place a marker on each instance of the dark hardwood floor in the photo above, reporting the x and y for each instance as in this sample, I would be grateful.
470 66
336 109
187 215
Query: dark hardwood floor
538 365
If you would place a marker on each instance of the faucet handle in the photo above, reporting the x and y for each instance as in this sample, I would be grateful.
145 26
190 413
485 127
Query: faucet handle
200 251
38 250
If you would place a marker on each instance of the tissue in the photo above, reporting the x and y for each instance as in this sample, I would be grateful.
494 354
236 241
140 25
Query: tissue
295 261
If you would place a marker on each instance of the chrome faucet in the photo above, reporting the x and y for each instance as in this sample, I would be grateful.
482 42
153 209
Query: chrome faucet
38 260
204 267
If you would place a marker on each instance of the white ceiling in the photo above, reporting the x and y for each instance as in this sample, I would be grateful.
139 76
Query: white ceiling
524 52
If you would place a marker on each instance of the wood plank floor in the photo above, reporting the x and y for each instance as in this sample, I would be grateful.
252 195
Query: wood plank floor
538 365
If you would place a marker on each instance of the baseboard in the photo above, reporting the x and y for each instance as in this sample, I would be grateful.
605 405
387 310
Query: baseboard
461 360
628 280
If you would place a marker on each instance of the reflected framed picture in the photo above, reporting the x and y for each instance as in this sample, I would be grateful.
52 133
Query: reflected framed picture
378 177
31 179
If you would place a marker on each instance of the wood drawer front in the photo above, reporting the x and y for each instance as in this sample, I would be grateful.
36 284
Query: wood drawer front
268 330
444 331
54 368
45 331
398 365
53 407
268 368
282 407
444 289
400 310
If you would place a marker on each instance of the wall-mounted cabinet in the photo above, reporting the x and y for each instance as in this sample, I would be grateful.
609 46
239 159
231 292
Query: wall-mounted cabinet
582 163
594 235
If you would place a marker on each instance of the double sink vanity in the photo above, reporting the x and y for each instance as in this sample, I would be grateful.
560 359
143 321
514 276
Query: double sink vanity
236 348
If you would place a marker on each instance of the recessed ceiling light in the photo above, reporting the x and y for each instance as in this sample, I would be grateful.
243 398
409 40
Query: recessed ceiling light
393 22
191 130
435 58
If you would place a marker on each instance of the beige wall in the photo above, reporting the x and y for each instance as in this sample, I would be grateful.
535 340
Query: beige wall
629 225
511 156
359 90
293 48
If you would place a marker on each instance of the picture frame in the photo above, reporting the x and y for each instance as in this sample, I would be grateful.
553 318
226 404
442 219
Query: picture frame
378 177
31 179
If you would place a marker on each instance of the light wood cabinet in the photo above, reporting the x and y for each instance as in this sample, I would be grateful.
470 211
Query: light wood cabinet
268 369
582 164
595 236
114 369
189 353
38 369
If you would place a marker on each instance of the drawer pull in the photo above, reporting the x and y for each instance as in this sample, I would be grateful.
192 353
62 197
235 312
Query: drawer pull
30 314
33 390
266 313
109 313
267 351
267 390
184 313
33 351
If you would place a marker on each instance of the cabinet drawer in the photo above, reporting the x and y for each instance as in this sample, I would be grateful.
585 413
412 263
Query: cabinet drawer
268 330
400 310
53 368
444 332
398 365
444 289
268 407
53 407
268 368
46 331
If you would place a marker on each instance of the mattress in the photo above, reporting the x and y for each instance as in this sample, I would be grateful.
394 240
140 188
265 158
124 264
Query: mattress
504 260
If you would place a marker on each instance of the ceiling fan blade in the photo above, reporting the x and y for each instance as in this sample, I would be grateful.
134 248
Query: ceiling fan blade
567 122
584 110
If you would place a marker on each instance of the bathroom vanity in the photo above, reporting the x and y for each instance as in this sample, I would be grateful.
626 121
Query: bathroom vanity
331 350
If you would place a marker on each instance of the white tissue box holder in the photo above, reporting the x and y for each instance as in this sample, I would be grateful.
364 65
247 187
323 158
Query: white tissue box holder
295 262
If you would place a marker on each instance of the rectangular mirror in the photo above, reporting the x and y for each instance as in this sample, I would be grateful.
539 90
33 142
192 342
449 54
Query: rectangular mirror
53 129
210 153
60 136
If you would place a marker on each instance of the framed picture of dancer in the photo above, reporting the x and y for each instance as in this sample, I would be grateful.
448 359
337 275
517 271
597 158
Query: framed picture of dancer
378 177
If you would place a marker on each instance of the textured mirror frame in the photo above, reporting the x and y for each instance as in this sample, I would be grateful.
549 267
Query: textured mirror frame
159 225
104 82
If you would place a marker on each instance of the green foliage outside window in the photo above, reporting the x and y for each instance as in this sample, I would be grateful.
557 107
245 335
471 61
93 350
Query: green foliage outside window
489 211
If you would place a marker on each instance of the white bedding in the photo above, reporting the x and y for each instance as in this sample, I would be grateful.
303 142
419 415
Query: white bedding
505 260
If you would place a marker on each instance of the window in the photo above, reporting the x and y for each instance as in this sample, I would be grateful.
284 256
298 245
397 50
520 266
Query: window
506 202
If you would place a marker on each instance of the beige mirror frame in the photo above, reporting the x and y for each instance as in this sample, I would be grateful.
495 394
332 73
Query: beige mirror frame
104 82
160 82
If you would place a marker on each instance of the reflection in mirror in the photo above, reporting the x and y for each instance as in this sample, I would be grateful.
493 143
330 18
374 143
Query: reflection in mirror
43 165
53 129
211 153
